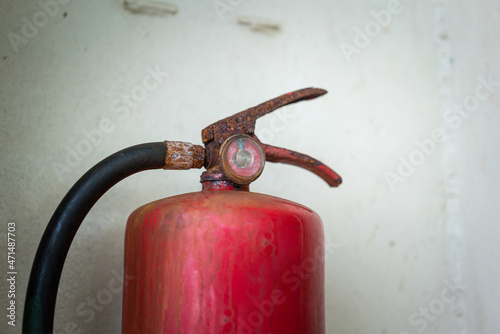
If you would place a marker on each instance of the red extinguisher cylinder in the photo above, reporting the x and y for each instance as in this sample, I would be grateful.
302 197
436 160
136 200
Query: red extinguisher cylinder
224 261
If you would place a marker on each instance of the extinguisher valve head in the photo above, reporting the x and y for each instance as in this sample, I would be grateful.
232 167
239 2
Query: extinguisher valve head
232 149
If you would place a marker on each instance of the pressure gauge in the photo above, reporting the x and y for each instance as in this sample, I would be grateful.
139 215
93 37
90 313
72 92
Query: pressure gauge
242 159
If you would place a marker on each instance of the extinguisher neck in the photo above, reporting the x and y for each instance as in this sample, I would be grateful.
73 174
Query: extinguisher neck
218 181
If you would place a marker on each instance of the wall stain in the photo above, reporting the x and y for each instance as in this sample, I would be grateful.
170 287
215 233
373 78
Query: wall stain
260 25
150 7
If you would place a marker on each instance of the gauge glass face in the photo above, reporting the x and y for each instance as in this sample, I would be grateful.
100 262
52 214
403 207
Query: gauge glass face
244 158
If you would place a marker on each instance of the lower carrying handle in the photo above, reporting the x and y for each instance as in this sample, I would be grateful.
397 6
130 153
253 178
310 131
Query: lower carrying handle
285 156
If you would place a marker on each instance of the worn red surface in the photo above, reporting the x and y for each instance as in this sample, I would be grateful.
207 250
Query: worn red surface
224 262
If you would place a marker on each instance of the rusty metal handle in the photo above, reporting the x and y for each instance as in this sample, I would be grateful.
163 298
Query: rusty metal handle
283 100
244 121
282 155
285 156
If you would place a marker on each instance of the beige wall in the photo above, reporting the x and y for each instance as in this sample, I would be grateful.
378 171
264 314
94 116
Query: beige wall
401 243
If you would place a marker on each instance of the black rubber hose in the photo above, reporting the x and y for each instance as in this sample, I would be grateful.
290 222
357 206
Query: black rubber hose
56 241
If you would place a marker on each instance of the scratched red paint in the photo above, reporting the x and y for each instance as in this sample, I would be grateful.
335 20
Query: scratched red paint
224 262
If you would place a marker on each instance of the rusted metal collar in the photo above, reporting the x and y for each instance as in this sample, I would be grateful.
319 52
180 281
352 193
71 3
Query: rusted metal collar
218 181
181 155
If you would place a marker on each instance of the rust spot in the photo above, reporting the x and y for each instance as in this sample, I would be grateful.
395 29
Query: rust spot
182 155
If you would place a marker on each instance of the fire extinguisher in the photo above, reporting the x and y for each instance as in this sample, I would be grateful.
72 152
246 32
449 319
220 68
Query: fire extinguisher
221 260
